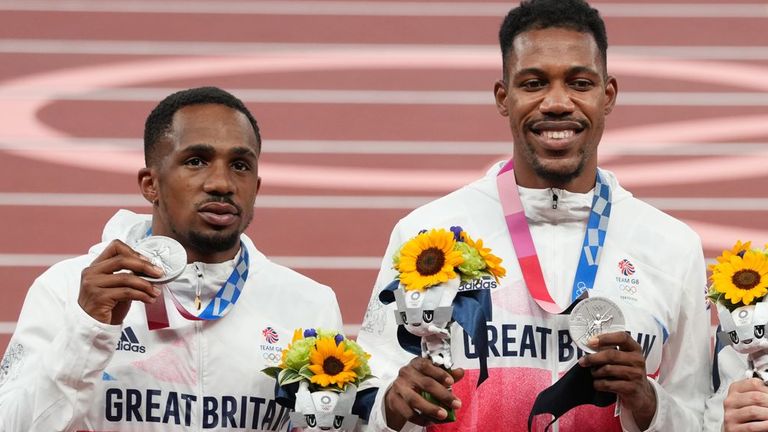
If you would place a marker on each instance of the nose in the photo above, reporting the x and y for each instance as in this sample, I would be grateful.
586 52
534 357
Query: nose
219 180
557 100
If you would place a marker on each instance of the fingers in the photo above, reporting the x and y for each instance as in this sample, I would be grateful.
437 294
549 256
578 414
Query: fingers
629 352
404 399
746 406
111 283
620 339
118 256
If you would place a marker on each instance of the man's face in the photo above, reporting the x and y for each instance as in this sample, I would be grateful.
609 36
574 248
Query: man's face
556 98
205 182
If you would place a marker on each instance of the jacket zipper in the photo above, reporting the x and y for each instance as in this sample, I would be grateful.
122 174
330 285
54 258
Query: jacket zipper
198 336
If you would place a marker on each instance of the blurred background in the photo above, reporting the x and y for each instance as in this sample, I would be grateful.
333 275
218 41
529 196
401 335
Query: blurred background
367 109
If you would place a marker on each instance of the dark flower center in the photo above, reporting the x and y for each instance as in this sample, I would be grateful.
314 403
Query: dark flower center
430 261
333 366
746 279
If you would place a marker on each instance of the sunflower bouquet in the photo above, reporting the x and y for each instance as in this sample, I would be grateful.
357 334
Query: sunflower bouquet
319 373
437 256
443 276
738 287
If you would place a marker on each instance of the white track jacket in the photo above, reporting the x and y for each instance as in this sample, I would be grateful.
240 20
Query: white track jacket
63 370
661 295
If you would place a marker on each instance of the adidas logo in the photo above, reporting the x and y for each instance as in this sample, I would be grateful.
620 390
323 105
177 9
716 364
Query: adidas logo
129 342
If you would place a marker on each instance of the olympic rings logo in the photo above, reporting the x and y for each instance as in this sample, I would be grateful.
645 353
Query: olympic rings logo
629 289
272 357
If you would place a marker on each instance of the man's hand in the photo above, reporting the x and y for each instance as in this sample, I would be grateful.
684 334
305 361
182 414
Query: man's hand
622 371
403 401
106 290
746 406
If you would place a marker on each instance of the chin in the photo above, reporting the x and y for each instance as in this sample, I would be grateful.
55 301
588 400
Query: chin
214 242
559 171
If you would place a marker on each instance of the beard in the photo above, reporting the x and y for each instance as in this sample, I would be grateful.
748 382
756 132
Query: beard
213 243
557 176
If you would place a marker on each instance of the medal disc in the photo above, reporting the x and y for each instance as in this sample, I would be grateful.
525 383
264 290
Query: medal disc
594 316
166 253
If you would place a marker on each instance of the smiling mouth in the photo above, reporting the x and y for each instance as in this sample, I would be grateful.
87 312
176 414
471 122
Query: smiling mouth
556 134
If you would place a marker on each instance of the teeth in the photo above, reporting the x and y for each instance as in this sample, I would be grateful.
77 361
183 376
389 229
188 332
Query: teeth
557 135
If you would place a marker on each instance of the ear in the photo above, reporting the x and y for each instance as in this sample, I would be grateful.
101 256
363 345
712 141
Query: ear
611 91
148 185
500 93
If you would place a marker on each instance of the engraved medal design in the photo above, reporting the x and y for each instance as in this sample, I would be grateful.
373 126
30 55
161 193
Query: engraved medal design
594 316
166 253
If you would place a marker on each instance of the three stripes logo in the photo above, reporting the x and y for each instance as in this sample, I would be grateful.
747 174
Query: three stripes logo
129 342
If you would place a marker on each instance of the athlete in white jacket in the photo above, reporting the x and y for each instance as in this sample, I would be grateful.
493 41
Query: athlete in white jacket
662 299
556 92
83 358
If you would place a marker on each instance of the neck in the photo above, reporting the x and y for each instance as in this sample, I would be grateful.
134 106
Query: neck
211 257
583 183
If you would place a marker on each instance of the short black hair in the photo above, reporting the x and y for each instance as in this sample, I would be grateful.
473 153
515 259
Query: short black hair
541 14
160 119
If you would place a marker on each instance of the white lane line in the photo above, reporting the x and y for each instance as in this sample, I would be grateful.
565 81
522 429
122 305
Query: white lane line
361 202
400 147
181 48
296 262
378 8
7 327
263 201
392 97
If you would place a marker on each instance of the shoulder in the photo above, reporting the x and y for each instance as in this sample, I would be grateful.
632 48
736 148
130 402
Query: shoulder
649 222
644 221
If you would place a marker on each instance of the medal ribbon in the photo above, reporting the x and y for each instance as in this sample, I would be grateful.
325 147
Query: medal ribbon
221 303
520 233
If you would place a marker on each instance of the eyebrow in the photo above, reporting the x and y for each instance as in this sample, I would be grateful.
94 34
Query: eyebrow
244 151
208 150
571 71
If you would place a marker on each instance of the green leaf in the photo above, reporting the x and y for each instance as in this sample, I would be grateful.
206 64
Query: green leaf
306 372
272 371
288 376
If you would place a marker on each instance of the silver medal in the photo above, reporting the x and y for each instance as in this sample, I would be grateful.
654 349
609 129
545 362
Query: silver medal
594 316
166 253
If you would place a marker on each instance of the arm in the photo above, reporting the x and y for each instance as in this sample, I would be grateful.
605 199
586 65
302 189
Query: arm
58 351
675 401
683 384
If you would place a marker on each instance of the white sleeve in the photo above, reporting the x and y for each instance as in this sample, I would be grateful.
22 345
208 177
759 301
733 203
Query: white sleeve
683 384
54 358
378 336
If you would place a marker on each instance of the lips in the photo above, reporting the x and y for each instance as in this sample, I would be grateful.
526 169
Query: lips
219 213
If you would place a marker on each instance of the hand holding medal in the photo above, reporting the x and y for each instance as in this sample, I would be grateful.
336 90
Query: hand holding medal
111 283
165 253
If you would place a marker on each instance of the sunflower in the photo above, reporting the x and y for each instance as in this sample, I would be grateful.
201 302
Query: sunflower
428 259
331 363
737 249
492 262
742 279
